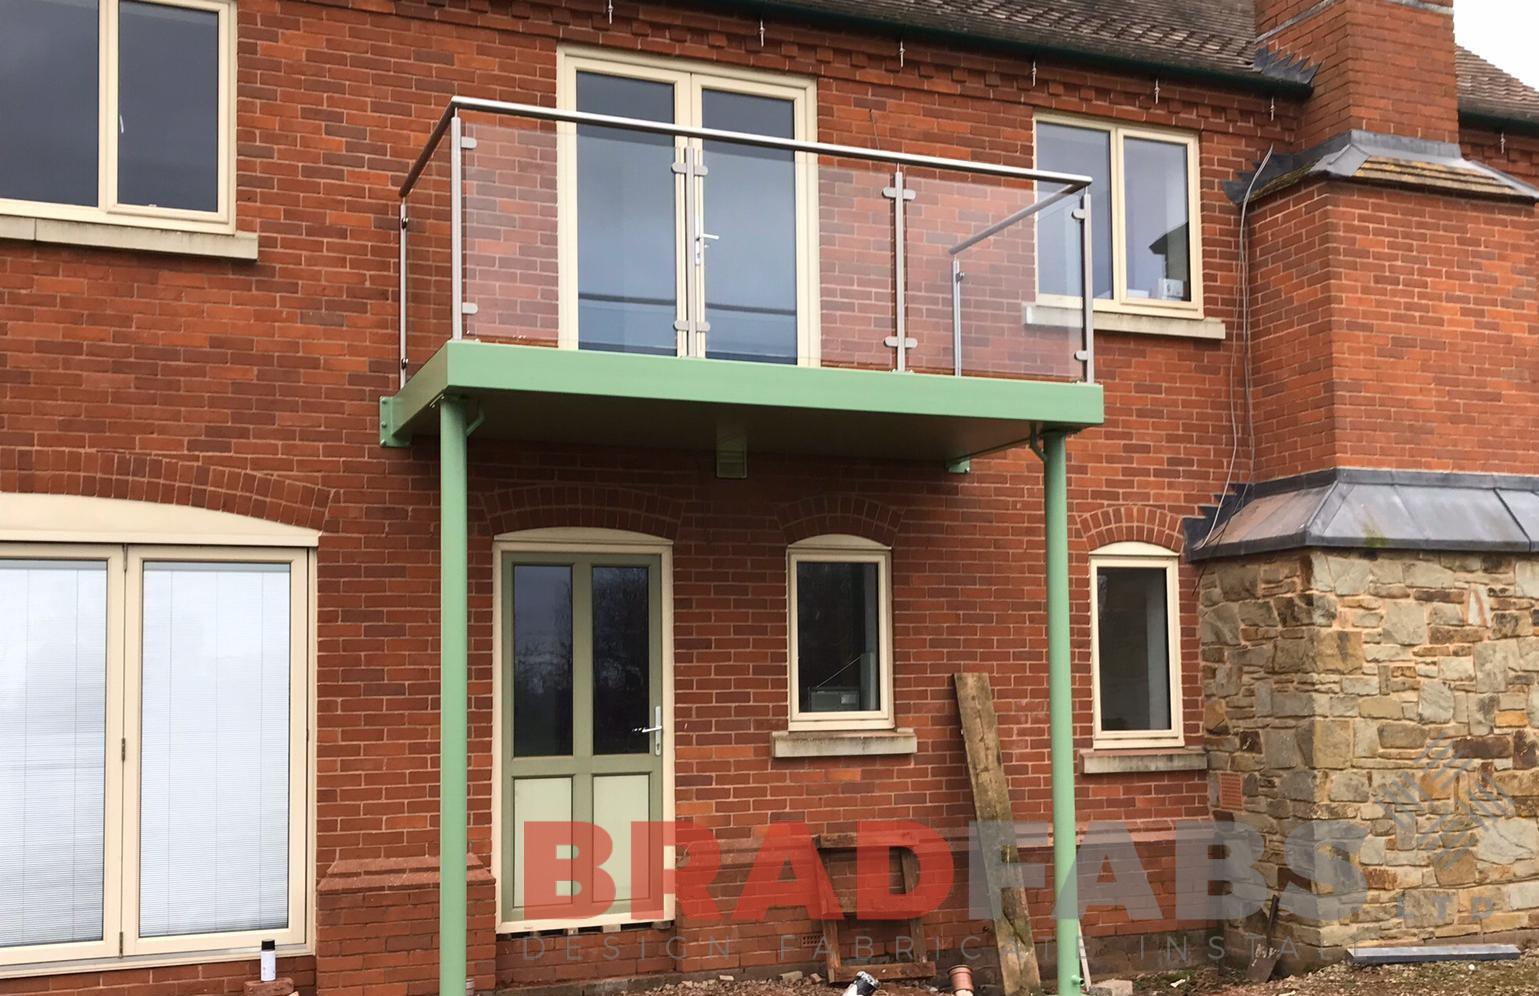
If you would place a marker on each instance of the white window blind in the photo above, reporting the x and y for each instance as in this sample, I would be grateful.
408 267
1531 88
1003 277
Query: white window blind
214 820
53 701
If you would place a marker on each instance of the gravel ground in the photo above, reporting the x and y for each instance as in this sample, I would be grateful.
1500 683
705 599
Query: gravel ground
1501 978
1509 978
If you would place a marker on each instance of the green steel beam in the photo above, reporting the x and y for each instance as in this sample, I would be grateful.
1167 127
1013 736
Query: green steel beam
668 401
1054 453
453 743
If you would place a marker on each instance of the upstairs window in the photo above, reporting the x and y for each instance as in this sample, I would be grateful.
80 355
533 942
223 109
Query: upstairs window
1136 646
117 110
1145 230
840 634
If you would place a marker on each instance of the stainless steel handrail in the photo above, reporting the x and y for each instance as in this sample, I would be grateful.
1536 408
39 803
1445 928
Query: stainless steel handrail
456 104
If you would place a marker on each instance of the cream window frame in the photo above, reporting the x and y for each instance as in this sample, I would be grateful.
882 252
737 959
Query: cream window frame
1146 556
112 799
841 548
689 80
1120 302
108 209
121 946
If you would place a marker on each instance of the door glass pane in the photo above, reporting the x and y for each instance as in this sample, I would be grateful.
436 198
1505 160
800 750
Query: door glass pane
627 263
838 642
750 205
1085 152
622 644
48 100
168 106
214 798
1132 641
542 660
53 706
1159 236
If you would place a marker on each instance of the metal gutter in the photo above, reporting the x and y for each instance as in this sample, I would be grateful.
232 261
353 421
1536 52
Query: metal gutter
1471 117
1251 82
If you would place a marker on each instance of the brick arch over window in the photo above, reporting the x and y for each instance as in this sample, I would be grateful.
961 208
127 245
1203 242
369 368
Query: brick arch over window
1130 524
590 506
164 481
820 515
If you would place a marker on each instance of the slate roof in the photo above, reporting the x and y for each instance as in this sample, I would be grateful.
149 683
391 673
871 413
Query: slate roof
1203 36
1377 510
1486 89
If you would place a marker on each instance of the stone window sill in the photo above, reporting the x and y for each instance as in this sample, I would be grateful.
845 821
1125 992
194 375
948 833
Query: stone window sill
1178 326
844 743
1102 761
100 235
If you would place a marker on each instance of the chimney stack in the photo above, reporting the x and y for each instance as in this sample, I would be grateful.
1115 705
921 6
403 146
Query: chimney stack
1384 66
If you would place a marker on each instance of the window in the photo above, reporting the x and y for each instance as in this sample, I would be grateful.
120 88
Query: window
657 260
1136 646
1146 235
840 634
118 110
154 709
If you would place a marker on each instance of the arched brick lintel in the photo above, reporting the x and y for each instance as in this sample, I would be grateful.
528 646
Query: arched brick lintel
1130 524
165 481
819 515
580 505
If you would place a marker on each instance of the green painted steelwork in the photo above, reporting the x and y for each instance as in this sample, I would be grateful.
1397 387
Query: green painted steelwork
1054 453
453 739
563 395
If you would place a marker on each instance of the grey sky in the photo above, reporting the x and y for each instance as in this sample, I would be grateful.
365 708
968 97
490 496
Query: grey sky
1505 32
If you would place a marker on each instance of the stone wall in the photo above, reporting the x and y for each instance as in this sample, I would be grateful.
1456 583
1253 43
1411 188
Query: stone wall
1397 693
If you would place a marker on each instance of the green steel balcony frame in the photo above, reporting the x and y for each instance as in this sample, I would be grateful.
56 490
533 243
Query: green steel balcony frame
544 393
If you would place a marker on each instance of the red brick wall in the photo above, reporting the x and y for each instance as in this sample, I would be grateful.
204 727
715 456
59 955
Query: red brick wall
254 388
1371 55
1394 329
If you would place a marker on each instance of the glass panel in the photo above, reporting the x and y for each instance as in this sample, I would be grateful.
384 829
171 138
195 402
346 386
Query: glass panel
983 318
1158 229
622 672
627 262
48 100
750 205
838 648
214 798
1133 648
168 106
53 706
542 660
1086 152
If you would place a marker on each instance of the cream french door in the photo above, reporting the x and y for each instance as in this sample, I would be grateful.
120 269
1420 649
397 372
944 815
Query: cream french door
677 246
583 725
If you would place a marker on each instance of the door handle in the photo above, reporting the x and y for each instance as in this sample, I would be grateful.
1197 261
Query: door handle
656 729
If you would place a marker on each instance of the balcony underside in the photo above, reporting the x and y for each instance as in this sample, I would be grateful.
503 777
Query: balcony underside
534 393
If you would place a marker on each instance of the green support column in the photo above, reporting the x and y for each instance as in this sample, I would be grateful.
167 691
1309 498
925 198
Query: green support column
453 691
1061 709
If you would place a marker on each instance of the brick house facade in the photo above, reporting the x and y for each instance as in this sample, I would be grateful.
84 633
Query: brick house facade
1385 322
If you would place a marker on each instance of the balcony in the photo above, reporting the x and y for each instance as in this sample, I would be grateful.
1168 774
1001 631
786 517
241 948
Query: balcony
586 278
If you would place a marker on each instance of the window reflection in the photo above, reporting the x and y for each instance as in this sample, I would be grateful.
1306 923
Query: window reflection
1158 233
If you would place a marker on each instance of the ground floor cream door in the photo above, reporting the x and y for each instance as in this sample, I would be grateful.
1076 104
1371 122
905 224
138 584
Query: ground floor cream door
582 714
